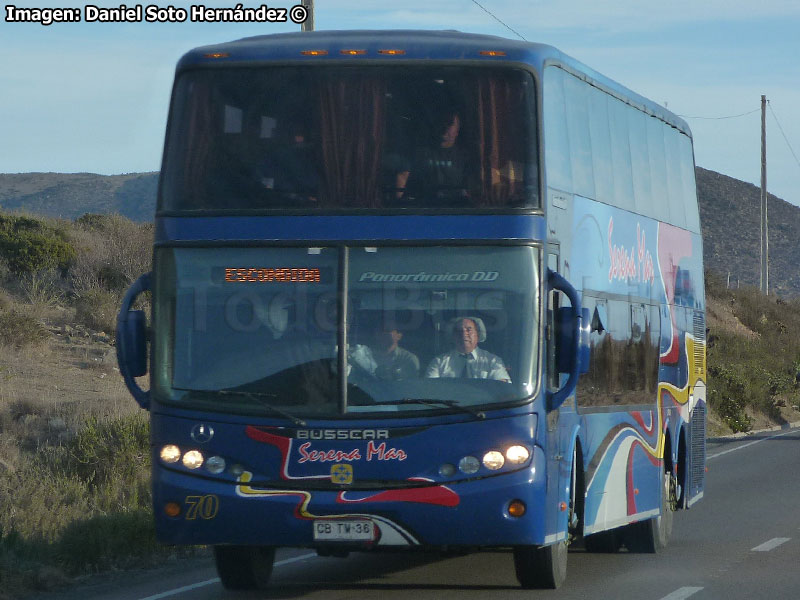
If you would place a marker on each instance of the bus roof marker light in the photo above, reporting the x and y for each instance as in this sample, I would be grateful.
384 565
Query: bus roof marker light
392 52
352 52
314 52
492 53
217 55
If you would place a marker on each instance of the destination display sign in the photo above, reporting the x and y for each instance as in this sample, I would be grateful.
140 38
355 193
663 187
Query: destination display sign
271 275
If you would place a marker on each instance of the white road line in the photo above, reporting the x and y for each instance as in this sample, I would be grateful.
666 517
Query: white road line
180 590
749 444
199 584
682 593
294 559
770 545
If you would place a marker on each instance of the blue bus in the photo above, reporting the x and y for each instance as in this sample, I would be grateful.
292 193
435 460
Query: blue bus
419 290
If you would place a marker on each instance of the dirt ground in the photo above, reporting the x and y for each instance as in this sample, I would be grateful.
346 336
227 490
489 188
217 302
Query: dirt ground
49 390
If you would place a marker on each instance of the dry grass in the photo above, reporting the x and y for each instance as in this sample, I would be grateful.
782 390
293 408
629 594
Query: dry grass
720 317
63 405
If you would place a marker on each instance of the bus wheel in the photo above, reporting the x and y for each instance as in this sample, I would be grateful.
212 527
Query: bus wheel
653 535
545 567
244 567
541 567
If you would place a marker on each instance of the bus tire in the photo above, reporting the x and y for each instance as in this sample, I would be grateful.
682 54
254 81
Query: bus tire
541 567
244 567
545 567
653 535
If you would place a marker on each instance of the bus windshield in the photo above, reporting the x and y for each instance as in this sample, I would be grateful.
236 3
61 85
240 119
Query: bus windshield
256 329
322 138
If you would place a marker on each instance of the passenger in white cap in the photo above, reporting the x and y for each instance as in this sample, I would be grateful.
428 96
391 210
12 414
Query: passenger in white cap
466 359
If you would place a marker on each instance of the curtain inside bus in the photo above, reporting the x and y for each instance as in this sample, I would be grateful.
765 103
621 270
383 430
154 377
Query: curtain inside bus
322 138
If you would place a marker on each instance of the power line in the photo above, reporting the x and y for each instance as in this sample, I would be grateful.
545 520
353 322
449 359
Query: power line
721 118
783 134
476 3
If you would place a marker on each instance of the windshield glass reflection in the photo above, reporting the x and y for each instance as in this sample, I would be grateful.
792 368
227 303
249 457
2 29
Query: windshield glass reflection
257 329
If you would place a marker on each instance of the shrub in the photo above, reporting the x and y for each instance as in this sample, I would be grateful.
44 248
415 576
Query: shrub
19 330
757 372
727 396
29 245
84 505
111 457
97 309
106 541
113 252
42 288
5 300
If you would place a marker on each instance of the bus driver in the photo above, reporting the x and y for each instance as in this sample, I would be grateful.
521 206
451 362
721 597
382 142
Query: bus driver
466 359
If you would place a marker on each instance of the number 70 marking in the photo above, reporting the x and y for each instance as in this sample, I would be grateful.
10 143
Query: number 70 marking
205 507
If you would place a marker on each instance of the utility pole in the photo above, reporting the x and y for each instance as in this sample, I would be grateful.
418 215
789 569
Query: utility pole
308 24
764 214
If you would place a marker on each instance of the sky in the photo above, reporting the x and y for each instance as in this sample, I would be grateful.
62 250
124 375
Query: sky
93 96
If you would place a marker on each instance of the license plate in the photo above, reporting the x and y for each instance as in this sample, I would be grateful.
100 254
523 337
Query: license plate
343 531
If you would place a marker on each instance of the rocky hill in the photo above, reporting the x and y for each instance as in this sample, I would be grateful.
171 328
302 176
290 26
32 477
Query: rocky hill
729 213
730 219
70 195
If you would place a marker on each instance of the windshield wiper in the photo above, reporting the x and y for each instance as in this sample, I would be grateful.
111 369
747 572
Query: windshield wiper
257 396
478 414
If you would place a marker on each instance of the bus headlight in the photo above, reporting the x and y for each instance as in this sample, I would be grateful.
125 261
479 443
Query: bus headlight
493 460
469 465
517 455
170 454
447 470
215 465
193 459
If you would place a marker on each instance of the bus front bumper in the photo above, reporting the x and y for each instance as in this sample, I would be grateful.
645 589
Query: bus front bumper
469 513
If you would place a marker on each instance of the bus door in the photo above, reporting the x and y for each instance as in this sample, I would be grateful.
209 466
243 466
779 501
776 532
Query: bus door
559 428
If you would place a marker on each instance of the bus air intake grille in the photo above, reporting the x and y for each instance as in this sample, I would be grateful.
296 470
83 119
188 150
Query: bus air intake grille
698 446
699 343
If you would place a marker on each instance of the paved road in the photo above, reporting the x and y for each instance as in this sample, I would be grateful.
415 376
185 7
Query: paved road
741 542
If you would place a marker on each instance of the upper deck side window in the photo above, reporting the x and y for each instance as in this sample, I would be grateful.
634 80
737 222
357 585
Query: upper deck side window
322 138
602 148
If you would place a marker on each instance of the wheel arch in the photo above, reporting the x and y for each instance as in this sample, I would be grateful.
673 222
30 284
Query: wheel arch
575 450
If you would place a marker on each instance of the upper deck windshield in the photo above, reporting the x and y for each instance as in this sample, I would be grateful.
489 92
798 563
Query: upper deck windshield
258 330
322 138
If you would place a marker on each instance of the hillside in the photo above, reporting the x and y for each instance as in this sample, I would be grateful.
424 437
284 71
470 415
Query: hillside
730 219
70 195
729 213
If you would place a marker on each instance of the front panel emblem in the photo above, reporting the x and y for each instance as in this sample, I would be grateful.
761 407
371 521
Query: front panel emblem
202 433
342 474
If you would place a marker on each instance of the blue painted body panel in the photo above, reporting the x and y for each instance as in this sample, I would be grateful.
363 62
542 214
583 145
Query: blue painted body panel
343 228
